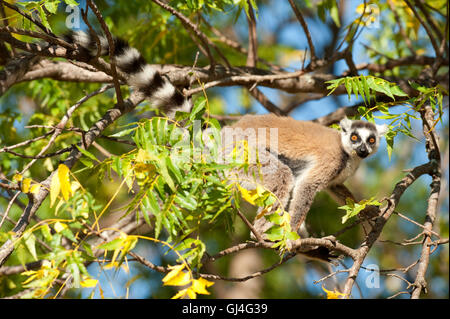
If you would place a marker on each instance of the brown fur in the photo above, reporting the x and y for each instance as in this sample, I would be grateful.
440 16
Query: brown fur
322 142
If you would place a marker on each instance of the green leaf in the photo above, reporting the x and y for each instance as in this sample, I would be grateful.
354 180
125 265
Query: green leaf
360 88
43 17
352 209
71 2
389 136
30 243
274 218
186 201
69 234
176 172
198 109
113 244
75 271
348 87
366 88
162 165
396 90
274 233
334 13
87 154
292 235
124 132
354 83
51 6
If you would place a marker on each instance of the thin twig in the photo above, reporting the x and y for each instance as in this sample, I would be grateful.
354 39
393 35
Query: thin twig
300 19
62 123
400 27
425 26
111 46
252 55
203 38
6 212
34 34
250 226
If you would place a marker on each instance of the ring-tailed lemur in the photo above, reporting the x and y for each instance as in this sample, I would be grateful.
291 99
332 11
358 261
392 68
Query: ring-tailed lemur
140 75
308 158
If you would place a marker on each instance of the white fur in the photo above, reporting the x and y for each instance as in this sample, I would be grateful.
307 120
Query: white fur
165 92
142 78
104 45
364 133
349 170
345 124
129 55
382 129
186 106
81 38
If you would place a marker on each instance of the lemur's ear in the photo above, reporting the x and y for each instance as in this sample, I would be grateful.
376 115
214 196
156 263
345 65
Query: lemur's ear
382 129
345 124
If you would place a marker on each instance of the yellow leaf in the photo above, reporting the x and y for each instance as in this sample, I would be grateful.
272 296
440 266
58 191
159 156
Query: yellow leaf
47 264
26 185
177 277
421 51
63 175
182 279
74 186
17 178
334 294
59 227
55 187
175 270
180 294
35 188
199 286
142 156
191 293
89 283
249 196
141 170
29 279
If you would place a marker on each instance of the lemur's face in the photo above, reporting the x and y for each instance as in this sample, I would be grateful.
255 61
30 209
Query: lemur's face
361 138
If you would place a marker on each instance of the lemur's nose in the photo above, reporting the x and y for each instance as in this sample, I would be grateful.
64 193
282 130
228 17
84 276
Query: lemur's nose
362 151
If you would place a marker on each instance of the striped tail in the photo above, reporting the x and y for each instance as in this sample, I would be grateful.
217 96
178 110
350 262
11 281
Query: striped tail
141 75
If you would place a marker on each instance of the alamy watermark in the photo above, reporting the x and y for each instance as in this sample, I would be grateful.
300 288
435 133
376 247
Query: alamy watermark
73 19
227 145
373 278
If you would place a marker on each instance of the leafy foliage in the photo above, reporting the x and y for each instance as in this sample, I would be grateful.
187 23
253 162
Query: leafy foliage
165 172
352 209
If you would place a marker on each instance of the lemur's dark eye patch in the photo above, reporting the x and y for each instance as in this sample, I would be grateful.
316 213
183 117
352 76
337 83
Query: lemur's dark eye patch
371 139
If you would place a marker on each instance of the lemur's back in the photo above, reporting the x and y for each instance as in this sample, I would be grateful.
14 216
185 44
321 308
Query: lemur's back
297 138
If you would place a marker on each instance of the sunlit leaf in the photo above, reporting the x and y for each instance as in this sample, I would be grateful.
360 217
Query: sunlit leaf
26 182
334 294
63 175
55 187
89 283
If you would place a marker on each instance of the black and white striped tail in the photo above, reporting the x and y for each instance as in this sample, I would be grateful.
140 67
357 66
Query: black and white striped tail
141 76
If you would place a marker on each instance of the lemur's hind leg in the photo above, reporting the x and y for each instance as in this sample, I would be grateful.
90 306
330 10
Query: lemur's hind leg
277 178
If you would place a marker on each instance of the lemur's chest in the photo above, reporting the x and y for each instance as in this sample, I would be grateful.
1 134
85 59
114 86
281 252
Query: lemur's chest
347 169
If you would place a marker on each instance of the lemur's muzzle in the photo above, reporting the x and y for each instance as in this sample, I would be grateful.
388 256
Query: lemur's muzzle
362 151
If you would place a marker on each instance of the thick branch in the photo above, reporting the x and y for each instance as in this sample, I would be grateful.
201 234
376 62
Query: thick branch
385 214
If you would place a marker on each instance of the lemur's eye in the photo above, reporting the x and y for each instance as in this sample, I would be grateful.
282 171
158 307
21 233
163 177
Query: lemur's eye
372 140
354 137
